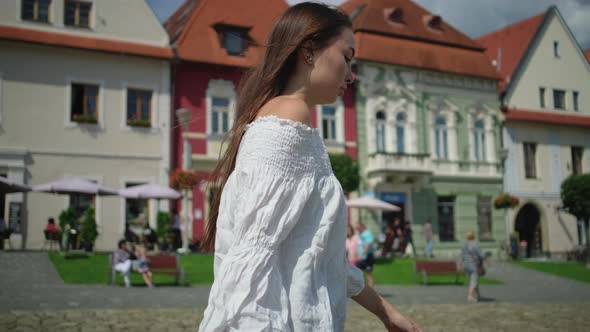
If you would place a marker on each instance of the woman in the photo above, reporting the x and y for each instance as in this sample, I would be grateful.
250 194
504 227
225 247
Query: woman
352 244
278 226
472 262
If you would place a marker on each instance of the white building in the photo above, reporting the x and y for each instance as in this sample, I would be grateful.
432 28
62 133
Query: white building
84 91
546 99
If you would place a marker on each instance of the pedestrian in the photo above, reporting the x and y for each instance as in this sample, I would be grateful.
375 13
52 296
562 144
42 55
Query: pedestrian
427 230
176 230
122 262
4 233
352 245
473 266
366 252
278 220
408 236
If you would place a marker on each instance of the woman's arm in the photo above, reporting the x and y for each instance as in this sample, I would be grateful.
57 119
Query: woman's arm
391 318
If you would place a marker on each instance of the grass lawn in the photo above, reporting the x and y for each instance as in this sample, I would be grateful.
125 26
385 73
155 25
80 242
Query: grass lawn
94 269
576 271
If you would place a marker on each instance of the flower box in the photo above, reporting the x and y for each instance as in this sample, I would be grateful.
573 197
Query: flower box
505 200
139 123
85 118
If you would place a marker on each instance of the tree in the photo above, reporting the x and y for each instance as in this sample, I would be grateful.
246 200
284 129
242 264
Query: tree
575 195
67 217
346 171
89 231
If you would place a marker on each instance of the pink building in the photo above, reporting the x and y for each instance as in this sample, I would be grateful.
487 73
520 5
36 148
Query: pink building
215 42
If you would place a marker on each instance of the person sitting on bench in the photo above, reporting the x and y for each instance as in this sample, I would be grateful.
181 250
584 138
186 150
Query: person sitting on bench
122 262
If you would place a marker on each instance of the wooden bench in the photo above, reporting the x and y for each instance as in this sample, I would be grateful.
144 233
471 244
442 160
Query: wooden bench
436 267
165 264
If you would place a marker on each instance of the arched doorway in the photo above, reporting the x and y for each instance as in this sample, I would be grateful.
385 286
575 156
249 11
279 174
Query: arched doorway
528 226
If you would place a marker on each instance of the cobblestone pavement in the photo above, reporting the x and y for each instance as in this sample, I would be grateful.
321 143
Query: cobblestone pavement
34 298
439 317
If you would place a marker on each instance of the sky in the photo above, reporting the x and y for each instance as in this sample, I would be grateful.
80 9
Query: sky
472 17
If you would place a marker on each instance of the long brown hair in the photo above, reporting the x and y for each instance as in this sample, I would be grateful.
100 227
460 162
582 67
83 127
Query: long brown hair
304 22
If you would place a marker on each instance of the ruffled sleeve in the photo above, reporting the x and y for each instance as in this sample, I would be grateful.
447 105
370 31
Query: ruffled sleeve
355 282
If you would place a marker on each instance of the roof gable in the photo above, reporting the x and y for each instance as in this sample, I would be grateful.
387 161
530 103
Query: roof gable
507 46
194 29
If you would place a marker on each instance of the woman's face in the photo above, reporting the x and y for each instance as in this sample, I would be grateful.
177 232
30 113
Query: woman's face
332 71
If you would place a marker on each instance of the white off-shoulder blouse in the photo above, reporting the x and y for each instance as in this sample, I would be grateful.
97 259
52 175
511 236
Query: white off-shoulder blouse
280 257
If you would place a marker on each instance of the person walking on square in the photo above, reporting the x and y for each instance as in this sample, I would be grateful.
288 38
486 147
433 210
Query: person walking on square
428 236
278 221
472 265
352 244
366 252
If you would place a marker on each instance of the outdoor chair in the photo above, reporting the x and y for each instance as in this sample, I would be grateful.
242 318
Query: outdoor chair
51 240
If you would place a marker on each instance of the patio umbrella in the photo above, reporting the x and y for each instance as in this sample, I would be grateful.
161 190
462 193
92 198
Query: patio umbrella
7 186
150 190
371 203
74 185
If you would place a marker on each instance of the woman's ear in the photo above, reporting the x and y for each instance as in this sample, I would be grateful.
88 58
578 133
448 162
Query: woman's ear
306 52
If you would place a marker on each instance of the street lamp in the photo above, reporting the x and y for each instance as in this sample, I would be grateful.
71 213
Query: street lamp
184 118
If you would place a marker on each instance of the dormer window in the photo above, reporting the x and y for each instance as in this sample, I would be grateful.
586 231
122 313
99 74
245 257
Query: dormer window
234 39
433 22
394 15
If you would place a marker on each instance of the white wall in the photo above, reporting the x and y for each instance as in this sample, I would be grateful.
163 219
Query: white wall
35 119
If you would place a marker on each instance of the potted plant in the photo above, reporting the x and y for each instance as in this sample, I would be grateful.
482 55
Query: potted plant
85 118
139 123
505 200
184 180
89 231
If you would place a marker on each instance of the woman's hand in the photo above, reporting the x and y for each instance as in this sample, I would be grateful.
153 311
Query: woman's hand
399 323
391 318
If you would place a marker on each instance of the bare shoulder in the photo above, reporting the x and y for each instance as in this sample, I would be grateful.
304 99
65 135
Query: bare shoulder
287 108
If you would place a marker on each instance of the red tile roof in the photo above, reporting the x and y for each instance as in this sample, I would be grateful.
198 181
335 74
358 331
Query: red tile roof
191 28
412 42
587 54
517 115
507 45
83 42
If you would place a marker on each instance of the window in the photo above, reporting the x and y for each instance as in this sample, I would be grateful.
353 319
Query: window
556 49
530 161
542 97
84 103
441 138
233 38
400 132
81 202
446 218
139 107
559 99
484 217
220 115
329 123
380 131
575 97
479 140
577 154
77 13
136 210
35 10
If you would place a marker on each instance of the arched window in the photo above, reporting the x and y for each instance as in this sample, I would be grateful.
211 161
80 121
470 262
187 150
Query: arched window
400 123
479 140
441 138
380 131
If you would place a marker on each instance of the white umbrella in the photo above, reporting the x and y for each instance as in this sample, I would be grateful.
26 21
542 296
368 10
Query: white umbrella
74 185
7 186
371 203
150 190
